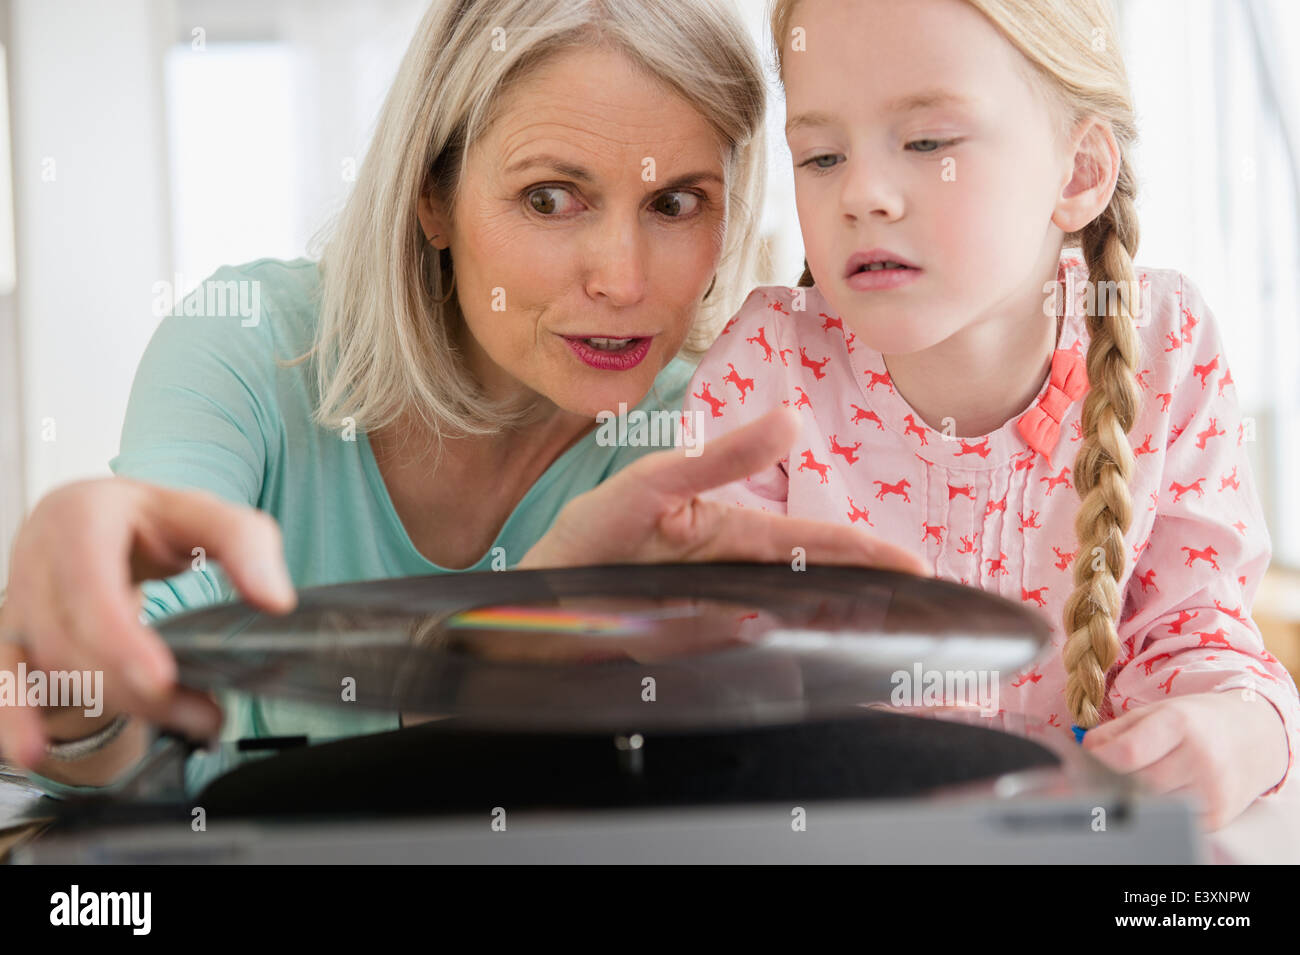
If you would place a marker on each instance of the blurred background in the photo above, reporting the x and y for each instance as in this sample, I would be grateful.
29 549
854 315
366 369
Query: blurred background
155 140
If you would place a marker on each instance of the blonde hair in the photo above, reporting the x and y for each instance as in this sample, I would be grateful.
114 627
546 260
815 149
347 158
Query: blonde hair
1074 63
385 342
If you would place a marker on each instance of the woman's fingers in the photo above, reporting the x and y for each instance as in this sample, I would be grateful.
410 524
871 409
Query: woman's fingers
246 541
746 534
733 456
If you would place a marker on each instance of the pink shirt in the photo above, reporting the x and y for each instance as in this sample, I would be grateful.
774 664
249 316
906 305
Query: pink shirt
994 513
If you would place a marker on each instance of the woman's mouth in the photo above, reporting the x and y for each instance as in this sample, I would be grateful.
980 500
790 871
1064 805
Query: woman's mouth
610 354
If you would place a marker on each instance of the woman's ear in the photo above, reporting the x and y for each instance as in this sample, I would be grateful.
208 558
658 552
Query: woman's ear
1093 174
434 221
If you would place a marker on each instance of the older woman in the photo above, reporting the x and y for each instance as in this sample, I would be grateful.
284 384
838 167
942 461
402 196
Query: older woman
555 213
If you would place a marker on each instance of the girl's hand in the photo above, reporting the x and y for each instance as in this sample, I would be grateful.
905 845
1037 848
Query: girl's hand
650 513
73 600
1221 749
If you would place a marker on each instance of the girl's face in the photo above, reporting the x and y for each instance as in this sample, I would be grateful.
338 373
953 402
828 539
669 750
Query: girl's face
594 206
912 129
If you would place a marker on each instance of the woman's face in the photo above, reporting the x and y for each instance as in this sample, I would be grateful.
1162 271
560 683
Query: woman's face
595 206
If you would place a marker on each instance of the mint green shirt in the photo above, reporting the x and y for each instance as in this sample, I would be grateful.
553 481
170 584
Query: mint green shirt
210 409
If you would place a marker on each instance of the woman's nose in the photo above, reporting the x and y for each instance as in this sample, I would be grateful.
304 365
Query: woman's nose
616 260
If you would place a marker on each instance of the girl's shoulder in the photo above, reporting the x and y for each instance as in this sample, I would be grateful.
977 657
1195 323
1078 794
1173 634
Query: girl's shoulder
781 311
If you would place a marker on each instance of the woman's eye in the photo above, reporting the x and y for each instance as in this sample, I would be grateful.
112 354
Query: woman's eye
548 200
675 205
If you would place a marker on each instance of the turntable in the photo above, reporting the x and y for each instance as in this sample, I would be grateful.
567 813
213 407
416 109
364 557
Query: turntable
632 713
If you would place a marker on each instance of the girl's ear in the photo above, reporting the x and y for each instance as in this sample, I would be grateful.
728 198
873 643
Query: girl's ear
434 220
1093 172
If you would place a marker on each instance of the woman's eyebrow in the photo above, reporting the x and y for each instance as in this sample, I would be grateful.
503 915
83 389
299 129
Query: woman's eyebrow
926 99
565 168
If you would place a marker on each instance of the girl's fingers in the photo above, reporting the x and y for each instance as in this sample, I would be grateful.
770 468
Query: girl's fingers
1160 733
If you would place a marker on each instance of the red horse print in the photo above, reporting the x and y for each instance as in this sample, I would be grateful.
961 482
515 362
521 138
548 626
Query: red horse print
999 505
1225 381
1035 595
716 404
1145 448
782 353
1207 555
1033 676
830 322
1230 481
1064 559
1203 371
744 384
1152 661
966 490
1169 683
778 308
1216 638
931 530
912 426
1211 432
803 401
858 514
1052 482
1181 489
874 379
982 449
811 464
761 341
967 546
900 488
997 566
1031 523
1234 613
1165 399
816 366
1184 616
1148 580
850 453
862 414
726 329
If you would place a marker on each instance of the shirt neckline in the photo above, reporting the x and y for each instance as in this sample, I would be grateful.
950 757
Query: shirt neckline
983 452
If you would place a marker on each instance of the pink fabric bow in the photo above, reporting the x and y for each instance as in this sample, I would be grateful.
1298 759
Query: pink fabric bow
1040 426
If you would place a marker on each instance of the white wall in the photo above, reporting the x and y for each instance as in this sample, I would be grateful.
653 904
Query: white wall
92 221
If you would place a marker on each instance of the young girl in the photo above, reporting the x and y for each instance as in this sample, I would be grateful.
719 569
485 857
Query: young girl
971 340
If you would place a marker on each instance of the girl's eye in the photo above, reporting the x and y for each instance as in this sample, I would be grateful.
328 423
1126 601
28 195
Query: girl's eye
671 204
544 201
816 162
937 144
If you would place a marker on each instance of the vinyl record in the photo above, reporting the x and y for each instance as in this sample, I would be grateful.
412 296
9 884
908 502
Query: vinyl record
611 648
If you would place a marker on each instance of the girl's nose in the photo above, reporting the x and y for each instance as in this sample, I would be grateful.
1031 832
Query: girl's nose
868 190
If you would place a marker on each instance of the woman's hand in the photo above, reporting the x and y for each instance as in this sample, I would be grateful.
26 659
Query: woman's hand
1221 749
73 600
650 513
